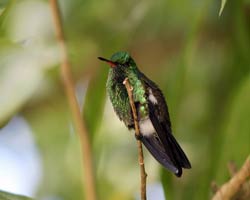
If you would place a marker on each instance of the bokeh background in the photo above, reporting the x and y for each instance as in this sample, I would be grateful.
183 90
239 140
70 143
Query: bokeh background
201 62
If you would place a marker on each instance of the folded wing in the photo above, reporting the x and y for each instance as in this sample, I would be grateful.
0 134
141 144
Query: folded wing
160 142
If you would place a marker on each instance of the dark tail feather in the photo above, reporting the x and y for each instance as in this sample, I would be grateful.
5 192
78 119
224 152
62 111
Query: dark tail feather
179 155
159 153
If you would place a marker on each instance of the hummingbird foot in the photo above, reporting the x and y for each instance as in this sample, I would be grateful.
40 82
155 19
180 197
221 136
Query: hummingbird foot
138 137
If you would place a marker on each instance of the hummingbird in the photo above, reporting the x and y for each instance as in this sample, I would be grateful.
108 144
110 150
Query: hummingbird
152 111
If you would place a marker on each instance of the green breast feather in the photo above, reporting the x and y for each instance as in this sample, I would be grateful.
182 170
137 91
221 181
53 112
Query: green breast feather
119 97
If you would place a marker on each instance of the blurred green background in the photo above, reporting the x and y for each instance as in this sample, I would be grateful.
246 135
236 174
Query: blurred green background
201 62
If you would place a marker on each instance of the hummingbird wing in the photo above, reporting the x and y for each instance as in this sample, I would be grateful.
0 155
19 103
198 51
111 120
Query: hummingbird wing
171 146
162 143
157 144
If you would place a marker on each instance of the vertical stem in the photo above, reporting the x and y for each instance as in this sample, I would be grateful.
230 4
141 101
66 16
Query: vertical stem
143 172
90 191
139 145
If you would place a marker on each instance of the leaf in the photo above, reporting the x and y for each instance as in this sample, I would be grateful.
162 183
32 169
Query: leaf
18 80
10 196
5 7
223 3
21 73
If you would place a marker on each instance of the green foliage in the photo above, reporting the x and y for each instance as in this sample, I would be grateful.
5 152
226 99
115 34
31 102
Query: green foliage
9 196
223 3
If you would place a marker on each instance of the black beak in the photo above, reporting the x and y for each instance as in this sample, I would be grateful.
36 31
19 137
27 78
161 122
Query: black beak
111 63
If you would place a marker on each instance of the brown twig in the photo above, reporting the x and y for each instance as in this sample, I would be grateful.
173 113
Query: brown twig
139 144
229 189
90 191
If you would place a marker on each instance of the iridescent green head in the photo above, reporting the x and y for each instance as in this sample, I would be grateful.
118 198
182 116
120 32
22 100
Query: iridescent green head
120 59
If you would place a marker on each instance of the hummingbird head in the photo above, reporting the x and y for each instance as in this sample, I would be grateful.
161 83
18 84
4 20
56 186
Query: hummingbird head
121 60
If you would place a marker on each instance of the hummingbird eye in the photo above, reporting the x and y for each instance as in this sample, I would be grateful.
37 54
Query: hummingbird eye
126 64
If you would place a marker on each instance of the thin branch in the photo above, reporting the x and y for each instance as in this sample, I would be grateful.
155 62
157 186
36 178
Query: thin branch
139 144
229 189
90 191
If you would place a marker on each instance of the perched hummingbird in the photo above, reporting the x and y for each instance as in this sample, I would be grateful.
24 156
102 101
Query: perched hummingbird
153 117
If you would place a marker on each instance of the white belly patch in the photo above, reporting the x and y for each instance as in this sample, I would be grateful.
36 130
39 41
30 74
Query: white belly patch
146 127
